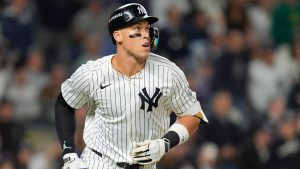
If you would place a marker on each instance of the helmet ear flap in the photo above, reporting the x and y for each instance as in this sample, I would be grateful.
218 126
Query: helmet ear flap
154 37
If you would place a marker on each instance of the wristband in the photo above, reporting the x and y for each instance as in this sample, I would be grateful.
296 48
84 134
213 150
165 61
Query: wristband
177 134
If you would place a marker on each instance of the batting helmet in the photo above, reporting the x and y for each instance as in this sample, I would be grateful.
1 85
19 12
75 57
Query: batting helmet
127 15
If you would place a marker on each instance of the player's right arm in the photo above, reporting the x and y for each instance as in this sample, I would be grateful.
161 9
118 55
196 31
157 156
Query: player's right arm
74 95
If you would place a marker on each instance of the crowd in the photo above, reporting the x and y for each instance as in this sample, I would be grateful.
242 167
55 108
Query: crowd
241 57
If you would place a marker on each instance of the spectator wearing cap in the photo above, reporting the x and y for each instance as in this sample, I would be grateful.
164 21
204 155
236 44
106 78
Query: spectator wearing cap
285 151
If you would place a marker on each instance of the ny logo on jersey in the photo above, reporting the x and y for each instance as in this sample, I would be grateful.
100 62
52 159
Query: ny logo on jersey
153 101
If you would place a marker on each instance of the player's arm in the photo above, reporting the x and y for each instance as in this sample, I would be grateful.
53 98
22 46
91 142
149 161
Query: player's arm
65 128
151 151
65 124
73 96
186 125
190 122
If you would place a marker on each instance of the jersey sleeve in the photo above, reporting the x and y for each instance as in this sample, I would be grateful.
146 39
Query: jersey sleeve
75 90
183 100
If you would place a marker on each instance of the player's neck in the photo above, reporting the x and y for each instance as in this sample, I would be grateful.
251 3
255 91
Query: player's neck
128 66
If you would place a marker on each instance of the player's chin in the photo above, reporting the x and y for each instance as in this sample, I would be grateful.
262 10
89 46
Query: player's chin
145 52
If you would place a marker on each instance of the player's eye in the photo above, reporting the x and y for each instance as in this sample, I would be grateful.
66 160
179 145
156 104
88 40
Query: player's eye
148 28
137 28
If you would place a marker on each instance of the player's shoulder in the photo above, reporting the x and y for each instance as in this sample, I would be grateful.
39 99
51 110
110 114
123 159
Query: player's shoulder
97 64
162 61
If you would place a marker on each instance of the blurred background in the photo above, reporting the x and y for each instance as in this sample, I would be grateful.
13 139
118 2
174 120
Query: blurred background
242 57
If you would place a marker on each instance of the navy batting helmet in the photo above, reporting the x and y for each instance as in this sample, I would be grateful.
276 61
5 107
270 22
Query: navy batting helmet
127 15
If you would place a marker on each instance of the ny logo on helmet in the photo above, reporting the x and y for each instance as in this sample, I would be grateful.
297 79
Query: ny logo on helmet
153 101
141 10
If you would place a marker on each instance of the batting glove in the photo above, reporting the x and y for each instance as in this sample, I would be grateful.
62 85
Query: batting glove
72 161
150 151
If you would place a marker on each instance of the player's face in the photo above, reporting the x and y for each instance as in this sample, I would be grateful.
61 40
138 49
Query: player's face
135 39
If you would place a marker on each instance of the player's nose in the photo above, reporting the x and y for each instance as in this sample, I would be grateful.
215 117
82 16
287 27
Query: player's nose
145 34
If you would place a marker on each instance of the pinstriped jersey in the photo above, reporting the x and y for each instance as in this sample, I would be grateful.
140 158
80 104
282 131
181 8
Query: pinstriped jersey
124 110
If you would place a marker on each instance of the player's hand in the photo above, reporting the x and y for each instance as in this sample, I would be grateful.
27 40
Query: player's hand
149 151
72 161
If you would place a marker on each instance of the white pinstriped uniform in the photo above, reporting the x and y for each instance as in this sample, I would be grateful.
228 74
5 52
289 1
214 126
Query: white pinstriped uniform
122 110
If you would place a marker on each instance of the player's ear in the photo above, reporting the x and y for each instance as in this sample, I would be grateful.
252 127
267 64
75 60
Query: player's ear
117 36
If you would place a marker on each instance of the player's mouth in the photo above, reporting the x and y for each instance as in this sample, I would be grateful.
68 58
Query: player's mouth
146 45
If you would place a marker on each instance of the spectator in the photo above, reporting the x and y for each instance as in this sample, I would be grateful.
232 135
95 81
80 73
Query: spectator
23 157
213 9
264 81
231 67
229 135
286 67
45 159
285 21
24 97
195 29
294 98
91 49
17 22
216 41
49 92
172 39
11 133
236 15
260 19
256 154
295 60
35 69
89 20
6 69
53 33
204 74
25 87
275 112
173 42
285 151
6 164
161 8
207 157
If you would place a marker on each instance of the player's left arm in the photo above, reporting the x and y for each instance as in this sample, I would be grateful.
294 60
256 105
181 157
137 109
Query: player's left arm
190 122
151 151
190 114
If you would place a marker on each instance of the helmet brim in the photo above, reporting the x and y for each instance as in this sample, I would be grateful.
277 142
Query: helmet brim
150 19
112 28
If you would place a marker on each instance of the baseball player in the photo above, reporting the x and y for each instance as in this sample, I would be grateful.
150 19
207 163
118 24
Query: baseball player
129 96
